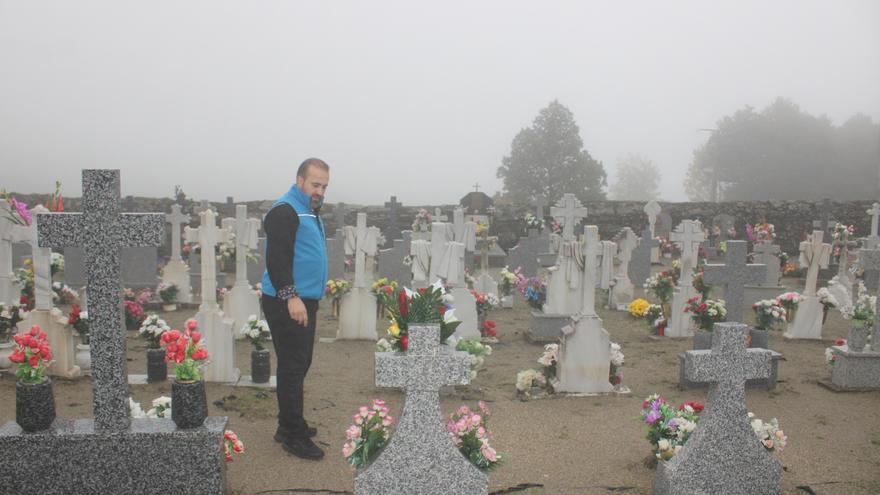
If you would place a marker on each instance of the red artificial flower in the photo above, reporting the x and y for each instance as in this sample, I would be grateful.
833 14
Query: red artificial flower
17 356
35 331
404 309
196 337
200 353
404 342
839 342
34 361
191 324
696 406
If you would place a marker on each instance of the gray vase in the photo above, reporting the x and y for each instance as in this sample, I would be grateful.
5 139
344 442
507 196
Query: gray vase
261 365
857 338
34 405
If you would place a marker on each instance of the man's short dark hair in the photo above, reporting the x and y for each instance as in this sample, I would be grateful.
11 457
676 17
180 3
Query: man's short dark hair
311 162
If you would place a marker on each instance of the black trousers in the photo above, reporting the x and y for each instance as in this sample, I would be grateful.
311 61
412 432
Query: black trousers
294 346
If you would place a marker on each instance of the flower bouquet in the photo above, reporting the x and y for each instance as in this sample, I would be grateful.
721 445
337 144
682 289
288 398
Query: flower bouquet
16 211
706 313
617 359
534 290
549 360
134 314
33 355
477 350
509 281
769 433
10 315
655 319
256 331
335 289
231 444
762 233
638 308
152 328
485 303
662 285
529 379
700 284
668 428
422 221
828 301
63 294
789 301
532 222
768 313
431 305
56 264
470 433
488 331
383 289
185 349
368 435
79 320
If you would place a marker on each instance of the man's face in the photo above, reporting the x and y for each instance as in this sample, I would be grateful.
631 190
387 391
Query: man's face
314 184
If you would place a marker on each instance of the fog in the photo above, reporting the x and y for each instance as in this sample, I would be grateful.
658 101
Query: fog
416 99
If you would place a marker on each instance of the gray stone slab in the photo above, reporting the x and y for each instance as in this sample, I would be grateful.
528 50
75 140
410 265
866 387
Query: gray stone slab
734 275
420 457
139 266
723 455
663 227
74 456
255 268
336 255
101 230
639 268
855 371
391 261
546 328
525 253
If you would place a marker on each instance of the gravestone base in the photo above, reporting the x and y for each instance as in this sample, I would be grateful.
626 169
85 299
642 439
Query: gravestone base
247 381
238 305
357 315
60 339
177 272
807 322
113 462
584 357
854 371
754 293
751 478
752 383
217 334
545 328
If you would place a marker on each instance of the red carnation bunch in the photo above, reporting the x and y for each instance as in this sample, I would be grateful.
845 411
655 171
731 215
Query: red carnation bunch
33 355
231 444
488 329
696 406
186 350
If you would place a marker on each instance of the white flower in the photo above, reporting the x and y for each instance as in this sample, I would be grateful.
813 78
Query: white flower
449 316
135 410
84 315
663 444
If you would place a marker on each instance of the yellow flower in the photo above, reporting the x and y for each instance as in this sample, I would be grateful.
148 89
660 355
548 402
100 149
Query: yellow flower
394 330
639 307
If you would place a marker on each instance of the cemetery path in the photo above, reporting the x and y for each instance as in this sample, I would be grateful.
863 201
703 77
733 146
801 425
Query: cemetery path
569 445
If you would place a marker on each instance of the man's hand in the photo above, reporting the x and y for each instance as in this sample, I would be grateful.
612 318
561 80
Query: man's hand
297 311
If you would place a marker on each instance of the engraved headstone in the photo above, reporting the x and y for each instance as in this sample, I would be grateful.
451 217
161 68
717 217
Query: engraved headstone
525 254
734 275
392 231
640 261
391 260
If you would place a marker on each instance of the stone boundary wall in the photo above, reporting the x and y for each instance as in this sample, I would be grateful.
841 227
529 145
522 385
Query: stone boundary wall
791 218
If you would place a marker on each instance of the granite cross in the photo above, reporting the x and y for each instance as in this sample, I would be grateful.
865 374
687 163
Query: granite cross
102 231
768 254
176 218
872 241
421 458
640 259
813 255
230 206
570 211
869 260
652 209
540 203
688 235
438 216
244 231
208 236
734 274
9 232
393 231
723 455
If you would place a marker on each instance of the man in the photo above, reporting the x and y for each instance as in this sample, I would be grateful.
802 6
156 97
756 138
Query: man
296 273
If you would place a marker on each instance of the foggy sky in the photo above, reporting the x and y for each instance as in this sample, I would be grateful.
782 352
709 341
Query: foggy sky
417 99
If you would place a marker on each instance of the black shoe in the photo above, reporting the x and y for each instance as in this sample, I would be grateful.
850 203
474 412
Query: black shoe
281 433
303 448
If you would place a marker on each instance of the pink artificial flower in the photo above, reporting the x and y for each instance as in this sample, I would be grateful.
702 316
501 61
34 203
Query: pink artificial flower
22 211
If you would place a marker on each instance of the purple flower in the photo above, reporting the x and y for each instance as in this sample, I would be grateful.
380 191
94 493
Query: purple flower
652 417
22 210
671 424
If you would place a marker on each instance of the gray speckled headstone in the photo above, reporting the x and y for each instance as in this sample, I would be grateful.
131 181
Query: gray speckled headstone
391 260
663 226
525 253
735 274
723 455
421 458
640 258
139 266
102 231
392 231
336 255
768 254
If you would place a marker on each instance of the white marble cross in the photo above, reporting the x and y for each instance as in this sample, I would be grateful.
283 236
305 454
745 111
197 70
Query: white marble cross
540 203
207 235
245 232
625 245
814 254
9 232
569 211
652 209
768 254
362 242
176 218
465 232
438 216
688 235
204 205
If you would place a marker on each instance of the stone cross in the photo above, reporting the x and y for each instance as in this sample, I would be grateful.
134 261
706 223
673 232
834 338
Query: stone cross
365 244
735 275
825 223
768 254
476 187
569 211
393 231
339 216
176 218
484 250
652 209
102 231
204 205
874 239
208 236
245 231
438 216
869 260
609 250
230 206
814 254
626 242
465 232
688 235
9 232
723 455
592 249
540 203
421 451
41 258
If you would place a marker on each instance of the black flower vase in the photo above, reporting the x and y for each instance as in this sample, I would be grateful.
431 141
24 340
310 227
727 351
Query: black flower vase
157 368
189 405
261 365
34 405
